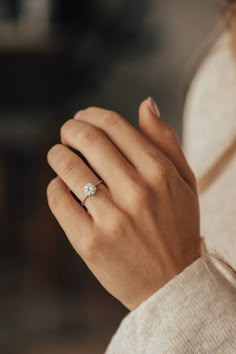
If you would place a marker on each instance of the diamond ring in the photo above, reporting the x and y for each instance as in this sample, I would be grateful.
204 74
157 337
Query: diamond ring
90 189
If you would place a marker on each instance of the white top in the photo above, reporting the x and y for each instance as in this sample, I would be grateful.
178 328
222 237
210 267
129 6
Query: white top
209 127
196 311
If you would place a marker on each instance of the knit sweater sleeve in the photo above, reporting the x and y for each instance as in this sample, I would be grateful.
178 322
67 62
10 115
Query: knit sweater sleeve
194 313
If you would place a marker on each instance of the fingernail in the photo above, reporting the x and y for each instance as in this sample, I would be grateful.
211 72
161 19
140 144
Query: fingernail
153 107
77 115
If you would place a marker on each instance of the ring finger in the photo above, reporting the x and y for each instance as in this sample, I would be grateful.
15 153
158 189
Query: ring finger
75 173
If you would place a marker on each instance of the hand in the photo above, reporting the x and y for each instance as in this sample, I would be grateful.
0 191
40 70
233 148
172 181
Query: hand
142 225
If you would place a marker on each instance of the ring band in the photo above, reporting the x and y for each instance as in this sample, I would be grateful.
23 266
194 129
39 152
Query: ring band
90 189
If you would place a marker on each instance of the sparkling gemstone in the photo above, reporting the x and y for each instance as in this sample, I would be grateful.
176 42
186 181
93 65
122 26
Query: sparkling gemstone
89 189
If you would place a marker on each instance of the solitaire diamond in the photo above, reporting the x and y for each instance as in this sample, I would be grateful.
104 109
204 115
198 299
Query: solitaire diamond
89 189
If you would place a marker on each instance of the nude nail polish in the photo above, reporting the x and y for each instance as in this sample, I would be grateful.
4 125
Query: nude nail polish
153 107
77 116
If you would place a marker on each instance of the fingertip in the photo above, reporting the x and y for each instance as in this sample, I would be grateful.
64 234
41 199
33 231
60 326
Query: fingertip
52 184
153 108
149 107
143 105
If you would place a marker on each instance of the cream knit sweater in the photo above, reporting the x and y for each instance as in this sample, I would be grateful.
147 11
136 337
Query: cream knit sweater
196 311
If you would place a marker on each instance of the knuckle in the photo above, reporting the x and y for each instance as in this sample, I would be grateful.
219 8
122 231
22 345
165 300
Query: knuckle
115 225
170 134
140 197
161 173
107 118
89 134
106 235
153 156
138 194
67 166
160 169
110 119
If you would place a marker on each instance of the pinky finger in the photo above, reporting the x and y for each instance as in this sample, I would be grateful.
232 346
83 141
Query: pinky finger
74 220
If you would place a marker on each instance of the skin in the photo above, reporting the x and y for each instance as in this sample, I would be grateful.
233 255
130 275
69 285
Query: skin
141 228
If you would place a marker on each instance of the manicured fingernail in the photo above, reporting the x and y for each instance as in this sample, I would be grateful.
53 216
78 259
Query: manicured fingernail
77 116
153 107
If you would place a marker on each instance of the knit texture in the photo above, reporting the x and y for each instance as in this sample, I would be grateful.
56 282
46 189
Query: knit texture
209 127
194 313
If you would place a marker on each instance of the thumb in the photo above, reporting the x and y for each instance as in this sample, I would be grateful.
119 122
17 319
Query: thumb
164 137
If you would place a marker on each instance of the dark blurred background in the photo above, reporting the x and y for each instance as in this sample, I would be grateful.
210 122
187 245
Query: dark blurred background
57 57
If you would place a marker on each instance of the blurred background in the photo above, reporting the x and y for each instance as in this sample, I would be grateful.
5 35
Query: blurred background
57 57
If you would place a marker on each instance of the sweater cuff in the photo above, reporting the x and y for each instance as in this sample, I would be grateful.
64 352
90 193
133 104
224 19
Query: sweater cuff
195 312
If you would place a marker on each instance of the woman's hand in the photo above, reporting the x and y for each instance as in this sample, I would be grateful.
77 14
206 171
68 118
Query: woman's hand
142 225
